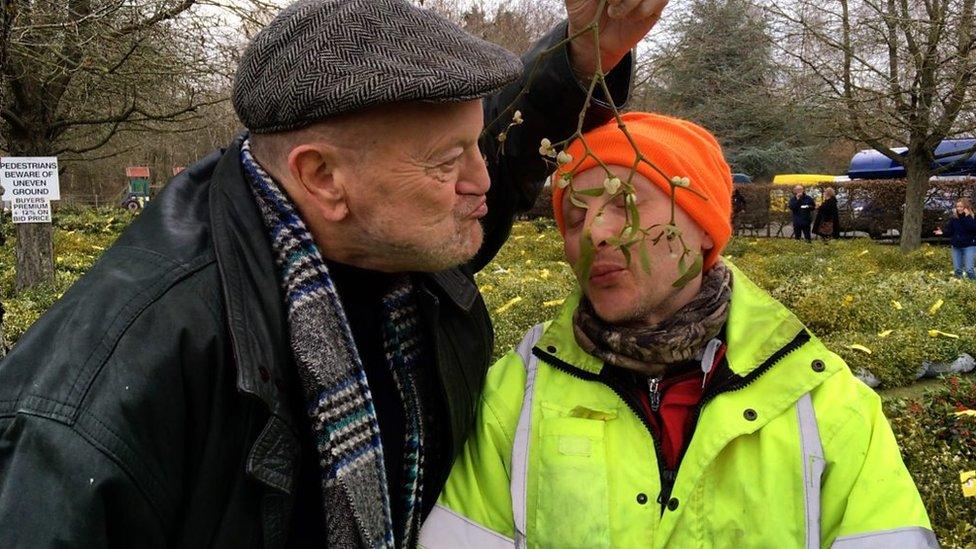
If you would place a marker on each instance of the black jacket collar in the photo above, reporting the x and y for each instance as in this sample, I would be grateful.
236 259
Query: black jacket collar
254 305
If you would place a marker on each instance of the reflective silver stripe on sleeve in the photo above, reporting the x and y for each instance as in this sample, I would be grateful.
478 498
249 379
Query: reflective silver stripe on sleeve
448 530
813 466
520 446
912 537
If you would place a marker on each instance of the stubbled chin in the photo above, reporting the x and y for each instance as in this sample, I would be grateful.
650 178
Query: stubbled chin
610 304
473 237
613 314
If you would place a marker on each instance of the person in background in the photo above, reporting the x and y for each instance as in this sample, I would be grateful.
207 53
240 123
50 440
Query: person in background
802 207
827 223
652 414
738 204
961 230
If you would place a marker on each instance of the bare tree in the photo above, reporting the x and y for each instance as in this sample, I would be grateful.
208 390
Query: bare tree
7 8
79 73
99 178
899 71
512 24
730 83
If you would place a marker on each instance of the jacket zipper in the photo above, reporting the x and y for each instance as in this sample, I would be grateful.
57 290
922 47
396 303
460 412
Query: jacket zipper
667 476
654 390
798 341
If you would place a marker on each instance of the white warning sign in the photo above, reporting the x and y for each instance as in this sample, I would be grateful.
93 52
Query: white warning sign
29 177
36 209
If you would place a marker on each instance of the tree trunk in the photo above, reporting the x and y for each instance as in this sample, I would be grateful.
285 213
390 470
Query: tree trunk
3 341
35 241
35 255
918 184
7 11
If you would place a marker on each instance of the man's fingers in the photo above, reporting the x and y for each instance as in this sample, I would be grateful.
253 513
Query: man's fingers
580 13
576 5
621 8
649 8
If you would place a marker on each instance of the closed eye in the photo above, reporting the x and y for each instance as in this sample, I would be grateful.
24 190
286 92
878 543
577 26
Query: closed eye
451 163
575 217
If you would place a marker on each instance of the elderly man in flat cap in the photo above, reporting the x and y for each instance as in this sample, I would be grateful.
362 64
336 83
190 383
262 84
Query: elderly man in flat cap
286 347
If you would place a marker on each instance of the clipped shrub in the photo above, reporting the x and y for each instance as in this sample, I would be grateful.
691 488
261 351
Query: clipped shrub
81 234
937 444
91 221
872 207
878 303
526 283
897 358
863 293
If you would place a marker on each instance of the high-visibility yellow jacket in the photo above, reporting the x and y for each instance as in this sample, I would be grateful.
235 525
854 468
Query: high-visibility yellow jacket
797 454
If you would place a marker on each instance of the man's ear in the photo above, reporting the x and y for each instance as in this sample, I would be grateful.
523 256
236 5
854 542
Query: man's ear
313 169
707 242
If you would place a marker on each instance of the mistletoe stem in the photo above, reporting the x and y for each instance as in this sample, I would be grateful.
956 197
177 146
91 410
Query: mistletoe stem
670 231
532 73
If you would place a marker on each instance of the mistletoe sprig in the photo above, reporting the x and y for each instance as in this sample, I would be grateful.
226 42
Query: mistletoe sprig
632 232
556 155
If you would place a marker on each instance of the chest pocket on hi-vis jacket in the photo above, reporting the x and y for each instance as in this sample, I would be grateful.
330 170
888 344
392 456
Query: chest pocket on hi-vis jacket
572 484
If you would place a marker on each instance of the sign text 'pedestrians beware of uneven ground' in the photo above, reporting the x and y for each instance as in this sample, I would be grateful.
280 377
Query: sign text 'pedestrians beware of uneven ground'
29 177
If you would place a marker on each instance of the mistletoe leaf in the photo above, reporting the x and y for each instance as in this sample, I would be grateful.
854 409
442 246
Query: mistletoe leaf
587 253
645 259
689 275
595 191
576 201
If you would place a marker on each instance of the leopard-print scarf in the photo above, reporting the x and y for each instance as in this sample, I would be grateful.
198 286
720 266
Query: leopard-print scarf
657 350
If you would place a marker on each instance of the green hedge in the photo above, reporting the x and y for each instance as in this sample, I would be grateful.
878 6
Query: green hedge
872 207
937 445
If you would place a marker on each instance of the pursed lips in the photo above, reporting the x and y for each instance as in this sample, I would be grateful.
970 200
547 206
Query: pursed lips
599 270
480 209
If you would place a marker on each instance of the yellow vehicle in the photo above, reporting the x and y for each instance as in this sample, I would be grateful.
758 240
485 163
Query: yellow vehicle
807 178
780 198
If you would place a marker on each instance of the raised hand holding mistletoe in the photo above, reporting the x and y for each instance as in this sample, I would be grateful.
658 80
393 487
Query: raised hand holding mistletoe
622 24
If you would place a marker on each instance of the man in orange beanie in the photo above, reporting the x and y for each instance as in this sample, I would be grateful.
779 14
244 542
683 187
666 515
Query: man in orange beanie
672 402
625 291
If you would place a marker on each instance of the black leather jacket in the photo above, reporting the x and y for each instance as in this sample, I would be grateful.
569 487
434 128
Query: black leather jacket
156 403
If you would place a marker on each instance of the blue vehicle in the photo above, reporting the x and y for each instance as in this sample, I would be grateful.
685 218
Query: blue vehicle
871 164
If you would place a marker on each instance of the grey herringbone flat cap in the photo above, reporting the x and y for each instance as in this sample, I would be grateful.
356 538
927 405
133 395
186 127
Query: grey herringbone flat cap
319 58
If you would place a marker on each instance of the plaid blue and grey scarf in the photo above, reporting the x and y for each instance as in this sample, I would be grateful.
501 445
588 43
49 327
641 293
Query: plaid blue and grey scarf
355 499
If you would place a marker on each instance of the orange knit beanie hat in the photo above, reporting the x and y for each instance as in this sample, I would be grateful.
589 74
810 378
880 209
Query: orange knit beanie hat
680 149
